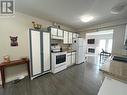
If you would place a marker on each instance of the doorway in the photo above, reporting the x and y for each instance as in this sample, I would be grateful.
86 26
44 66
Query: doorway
103 41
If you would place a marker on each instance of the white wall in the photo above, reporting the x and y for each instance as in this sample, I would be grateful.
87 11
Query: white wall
118 36
97 39
17 26
118 39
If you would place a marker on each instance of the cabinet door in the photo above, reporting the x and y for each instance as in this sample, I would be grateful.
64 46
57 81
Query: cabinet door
65 37
73 58
35 52
60 33
46 51
69 60
77 35
74 35
53 31
70 37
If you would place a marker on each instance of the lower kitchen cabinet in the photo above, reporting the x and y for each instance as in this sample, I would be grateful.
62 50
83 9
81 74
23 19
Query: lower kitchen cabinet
71 58
68 59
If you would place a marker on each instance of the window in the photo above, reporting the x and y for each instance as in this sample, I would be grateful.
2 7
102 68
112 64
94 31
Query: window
106 45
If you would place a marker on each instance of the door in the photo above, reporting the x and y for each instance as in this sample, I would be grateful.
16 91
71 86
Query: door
46 51
35 52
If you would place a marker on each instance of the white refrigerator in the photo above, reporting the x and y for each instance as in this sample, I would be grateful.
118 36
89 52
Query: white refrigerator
79 46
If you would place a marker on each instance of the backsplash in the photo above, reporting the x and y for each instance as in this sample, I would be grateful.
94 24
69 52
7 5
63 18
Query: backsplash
60 42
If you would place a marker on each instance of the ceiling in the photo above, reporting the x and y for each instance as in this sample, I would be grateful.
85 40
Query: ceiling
101 32
68 12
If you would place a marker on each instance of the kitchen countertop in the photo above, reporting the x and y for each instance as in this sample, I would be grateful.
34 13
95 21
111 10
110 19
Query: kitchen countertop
69 51
116 69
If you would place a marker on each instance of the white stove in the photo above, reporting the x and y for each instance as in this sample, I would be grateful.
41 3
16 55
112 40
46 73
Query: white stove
59 61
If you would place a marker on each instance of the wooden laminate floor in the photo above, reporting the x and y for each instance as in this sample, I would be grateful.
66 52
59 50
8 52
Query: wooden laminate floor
83 79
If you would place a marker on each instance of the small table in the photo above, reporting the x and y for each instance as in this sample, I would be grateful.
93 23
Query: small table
3 65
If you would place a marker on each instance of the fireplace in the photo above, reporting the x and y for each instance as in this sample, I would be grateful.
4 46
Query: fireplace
91 50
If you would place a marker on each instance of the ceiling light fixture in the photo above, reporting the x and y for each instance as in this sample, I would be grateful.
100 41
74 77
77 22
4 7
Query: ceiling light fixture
87 18
118 8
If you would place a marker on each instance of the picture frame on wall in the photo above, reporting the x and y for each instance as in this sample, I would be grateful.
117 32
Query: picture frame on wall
14 41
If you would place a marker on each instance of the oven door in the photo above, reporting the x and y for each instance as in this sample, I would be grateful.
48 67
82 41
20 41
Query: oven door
60 59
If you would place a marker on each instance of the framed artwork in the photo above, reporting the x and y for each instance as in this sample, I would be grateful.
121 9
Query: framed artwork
14 41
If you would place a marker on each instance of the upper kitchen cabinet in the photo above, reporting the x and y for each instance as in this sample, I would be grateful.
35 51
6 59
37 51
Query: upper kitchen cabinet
67 37
56 33
75 35
53 31
65 40
70 38
60 33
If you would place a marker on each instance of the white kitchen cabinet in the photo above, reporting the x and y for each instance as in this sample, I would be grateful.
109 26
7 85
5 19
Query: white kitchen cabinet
67 37
70 38
39 44
35 53
68 59
74 35
56 33
53 31
65 40
46 51
77 35
60 33
73 58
